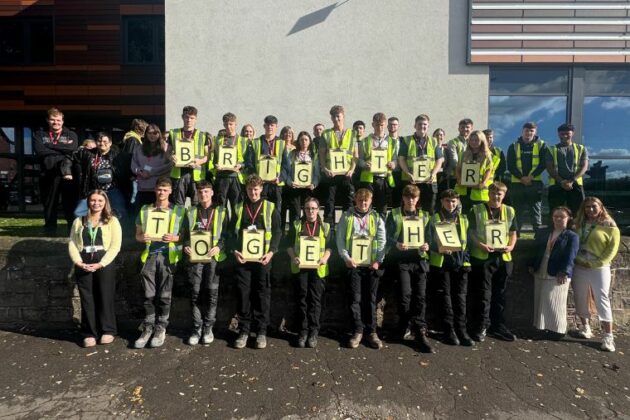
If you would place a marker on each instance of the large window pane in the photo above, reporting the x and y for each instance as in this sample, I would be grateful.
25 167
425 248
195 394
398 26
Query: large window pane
144 39
528 81
607 82
507 114
11 42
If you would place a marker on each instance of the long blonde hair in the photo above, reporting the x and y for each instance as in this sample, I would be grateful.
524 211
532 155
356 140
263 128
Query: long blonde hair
603 218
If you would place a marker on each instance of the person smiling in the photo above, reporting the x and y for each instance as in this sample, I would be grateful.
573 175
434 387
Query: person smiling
94 243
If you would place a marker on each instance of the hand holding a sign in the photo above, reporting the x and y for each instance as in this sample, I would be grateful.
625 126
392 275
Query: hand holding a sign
350 263
375 265
401 246
266 259
239 257
169 237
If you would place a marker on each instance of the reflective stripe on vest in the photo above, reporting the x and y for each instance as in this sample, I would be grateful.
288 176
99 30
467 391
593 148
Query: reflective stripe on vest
411 153
372 223
366 175
322 270
199 138
217 226
578 150
398 219
481 217
436 259
347 143
267 211
535 160
175 222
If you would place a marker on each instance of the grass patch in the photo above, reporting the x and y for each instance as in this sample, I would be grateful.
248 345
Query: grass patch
27 226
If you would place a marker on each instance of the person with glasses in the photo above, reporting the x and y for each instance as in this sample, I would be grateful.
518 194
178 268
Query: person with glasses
310 282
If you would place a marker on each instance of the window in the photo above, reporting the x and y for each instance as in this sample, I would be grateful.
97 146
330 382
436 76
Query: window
143 39
26 41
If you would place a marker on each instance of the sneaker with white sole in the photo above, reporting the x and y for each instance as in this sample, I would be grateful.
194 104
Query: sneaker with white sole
159 336
241 341
207 337
608 343
144 338
585 332
193 340
261 341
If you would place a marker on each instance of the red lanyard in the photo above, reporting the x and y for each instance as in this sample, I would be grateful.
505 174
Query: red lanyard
491 216
54 140
96 161
253 217
205 223
192 134
363 222
271 145
311 232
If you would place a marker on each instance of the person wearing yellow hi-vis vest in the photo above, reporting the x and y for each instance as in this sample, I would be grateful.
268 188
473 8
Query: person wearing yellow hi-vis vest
203 276
270 145
159 260
456 147
381 183
491 265
228 175
450 269
310 283
256 216
361 238
526 163
477 151
185 177
342 140
499 163
421 146
412 265
566 162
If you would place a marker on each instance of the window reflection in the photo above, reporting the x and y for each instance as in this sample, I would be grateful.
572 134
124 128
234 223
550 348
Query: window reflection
607 81
528 81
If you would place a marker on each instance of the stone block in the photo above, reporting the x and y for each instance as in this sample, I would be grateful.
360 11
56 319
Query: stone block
17 299
59 315
33 314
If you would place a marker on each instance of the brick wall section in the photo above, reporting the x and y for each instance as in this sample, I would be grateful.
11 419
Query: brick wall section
36 288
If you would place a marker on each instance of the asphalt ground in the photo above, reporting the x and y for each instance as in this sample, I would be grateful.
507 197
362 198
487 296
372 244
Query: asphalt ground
46 374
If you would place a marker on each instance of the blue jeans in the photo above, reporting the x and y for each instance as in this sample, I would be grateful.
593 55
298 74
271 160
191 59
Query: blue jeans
116 200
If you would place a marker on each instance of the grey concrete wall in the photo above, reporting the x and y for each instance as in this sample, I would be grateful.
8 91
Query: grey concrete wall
297 58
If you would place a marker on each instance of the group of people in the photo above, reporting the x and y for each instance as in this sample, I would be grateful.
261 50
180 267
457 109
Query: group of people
448 222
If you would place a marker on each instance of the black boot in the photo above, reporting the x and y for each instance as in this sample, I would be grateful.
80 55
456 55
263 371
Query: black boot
423 343
464 339
450 337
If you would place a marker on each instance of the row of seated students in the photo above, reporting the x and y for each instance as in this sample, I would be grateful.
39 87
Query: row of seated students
458 248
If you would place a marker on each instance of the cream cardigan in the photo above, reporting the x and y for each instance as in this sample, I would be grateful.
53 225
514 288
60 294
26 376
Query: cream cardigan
112 237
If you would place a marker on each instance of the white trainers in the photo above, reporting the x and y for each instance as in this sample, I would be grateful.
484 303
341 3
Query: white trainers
608 343
585 332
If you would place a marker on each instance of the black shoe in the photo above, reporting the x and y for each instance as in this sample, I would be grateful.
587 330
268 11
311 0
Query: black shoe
479 336
301 342
554 336
312 340
502 333
451 338
464 339
423 344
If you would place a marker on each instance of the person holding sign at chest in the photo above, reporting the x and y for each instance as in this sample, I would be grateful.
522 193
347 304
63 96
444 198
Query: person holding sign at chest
309 264
407 237
474 171
492 234
301 173
255 230
377 159
267 155
159 227
420 159
450 265
361 244
337 160
204 246
190 154
228 164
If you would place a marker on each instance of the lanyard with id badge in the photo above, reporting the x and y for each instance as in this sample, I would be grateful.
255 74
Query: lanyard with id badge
253 239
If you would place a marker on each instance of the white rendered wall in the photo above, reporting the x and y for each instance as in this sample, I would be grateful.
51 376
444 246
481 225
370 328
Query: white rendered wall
401 57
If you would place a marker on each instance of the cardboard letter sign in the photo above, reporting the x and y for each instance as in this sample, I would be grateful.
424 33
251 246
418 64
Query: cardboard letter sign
200 246
471 174
496 234
447 237
185 152
338 162
378 161
302 174
253 245
413 232
361 251
226 159
421 170
267 168
309 252
156 224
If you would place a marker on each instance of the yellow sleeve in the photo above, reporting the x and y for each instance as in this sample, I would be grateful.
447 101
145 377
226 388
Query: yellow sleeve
73 244
115 232
610 251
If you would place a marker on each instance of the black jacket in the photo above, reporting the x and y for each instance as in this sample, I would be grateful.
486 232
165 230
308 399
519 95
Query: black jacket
121 172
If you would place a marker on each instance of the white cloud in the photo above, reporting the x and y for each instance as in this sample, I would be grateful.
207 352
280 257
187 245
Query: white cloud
616 103
617 152
516 110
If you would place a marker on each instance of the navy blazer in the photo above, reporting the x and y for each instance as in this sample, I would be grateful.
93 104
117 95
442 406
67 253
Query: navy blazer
562 254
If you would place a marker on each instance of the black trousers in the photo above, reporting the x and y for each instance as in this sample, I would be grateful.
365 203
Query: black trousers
338 184
412 304
310 291
204 297
488 283
52 186
157 283
558 196
228 188
382 192
453 285
254 296
97 291
273 192
183 187
527 199
363 289
396 193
